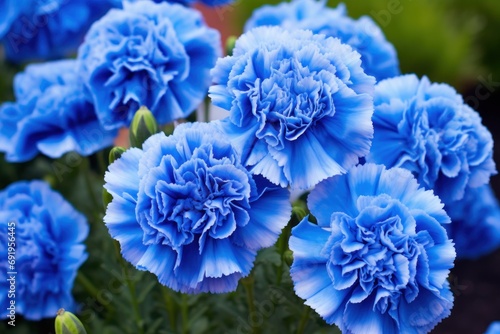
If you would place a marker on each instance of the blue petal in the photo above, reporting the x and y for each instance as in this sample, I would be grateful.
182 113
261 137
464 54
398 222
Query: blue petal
362 318
312 283
425 312
122 225
159 260
307 242
269 214
122 177
219 258
441 258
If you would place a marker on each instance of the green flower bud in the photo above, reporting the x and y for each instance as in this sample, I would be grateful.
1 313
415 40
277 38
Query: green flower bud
299 211
230 42
68 323
115 153
143 126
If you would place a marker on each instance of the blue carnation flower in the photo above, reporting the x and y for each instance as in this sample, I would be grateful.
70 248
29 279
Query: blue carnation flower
185 209
156 55
288 94
494 328
475 227
52 115
428 129
378 259
378 56
48 29
48 234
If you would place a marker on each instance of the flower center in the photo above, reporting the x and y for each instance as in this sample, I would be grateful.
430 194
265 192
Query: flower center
203 197
291 99
374 251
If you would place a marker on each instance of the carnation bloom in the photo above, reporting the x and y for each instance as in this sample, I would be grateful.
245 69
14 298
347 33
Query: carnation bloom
289 93
52 115
475 227
156 55
185 209
48 235
427 129
34 29
378 56
378 259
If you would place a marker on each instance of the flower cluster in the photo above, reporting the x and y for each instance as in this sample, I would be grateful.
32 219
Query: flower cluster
288 93
157 55
378 259
48 241
378 56
428 129
34 29
397 170
185 209
52 115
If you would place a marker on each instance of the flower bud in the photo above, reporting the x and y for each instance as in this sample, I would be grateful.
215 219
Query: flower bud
299 211
115 153
143 126
67 323
230 42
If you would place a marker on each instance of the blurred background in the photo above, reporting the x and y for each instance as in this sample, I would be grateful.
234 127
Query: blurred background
452 41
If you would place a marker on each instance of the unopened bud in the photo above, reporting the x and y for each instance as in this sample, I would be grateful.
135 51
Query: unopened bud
115 154
68 323
230 43
143 126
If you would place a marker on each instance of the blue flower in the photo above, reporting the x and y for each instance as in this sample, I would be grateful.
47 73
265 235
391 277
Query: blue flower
427 129
185 209
475 226
48 234
156 55
52 115
378 259
378 56
300 105
494 328
47 29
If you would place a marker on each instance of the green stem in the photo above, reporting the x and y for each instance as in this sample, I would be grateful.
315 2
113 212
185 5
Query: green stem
170 307
185 313
132 292
92 290
304 319
101 162
88 183
248 283
282 246
206 110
